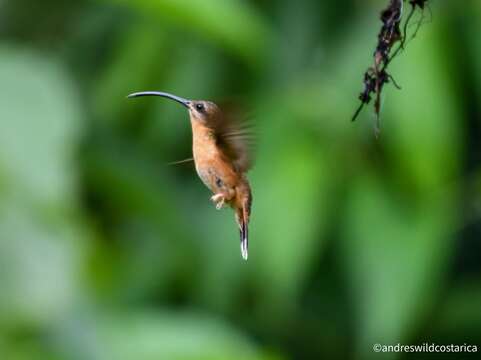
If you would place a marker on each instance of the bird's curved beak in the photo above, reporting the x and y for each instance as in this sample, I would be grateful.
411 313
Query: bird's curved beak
180 100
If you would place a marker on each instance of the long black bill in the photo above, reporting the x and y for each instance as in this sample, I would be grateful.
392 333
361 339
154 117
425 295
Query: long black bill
180 100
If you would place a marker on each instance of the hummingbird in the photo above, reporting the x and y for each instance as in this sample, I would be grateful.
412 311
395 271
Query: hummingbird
221 153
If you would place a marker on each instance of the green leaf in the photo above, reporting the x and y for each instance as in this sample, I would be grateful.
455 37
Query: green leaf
40 247
233 24
39 130
140 53
397 235
422 121
154 335
290 209
394 255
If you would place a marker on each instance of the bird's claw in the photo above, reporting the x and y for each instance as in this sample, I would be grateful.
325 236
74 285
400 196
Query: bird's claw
218 200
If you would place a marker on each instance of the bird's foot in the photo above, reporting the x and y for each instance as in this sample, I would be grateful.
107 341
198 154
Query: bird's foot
218 200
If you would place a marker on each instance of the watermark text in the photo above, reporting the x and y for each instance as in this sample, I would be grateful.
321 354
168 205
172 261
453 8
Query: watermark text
425 348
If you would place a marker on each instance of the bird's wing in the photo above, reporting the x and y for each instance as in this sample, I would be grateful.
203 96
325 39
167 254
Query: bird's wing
235 136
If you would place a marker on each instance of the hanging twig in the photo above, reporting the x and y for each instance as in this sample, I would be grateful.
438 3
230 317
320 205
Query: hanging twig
377 75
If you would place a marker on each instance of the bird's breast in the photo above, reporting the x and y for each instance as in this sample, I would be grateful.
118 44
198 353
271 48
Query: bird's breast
217 174
205 174
211 165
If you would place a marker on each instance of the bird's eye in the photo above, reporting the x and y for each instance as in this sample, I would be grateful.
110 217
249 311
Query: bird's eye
200 107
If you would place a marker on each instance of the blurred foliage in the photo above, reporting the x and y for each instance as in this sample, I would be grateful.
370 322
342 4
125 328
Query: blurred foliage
106 252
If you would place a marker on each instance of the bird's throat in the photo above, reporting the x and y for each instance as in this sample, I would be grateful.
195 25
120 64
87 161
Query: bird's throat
203 140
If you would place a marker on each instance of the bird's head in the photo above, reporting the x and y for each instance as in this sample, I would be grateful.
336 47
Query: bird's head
205 112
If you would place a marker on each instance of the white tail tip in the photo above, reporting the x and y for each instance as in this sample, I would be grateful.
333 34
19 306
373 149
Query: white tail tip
244 251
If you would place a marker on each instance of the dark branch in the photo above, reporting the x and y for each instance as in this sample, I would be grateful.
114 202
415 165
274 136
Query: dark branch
377 76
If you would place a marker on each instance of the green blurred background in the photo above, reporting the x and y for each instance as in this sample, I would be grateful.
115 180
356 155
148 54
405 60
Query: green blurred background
107 252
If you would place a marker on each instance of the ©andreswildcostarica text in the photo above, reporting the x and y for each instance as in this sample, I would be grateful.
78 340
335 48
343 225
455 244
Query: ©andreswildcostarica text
425 348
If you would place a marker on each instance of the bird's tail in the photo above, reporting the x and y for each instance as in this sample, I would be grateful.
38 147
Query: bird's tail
242 216
244 239
243 205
